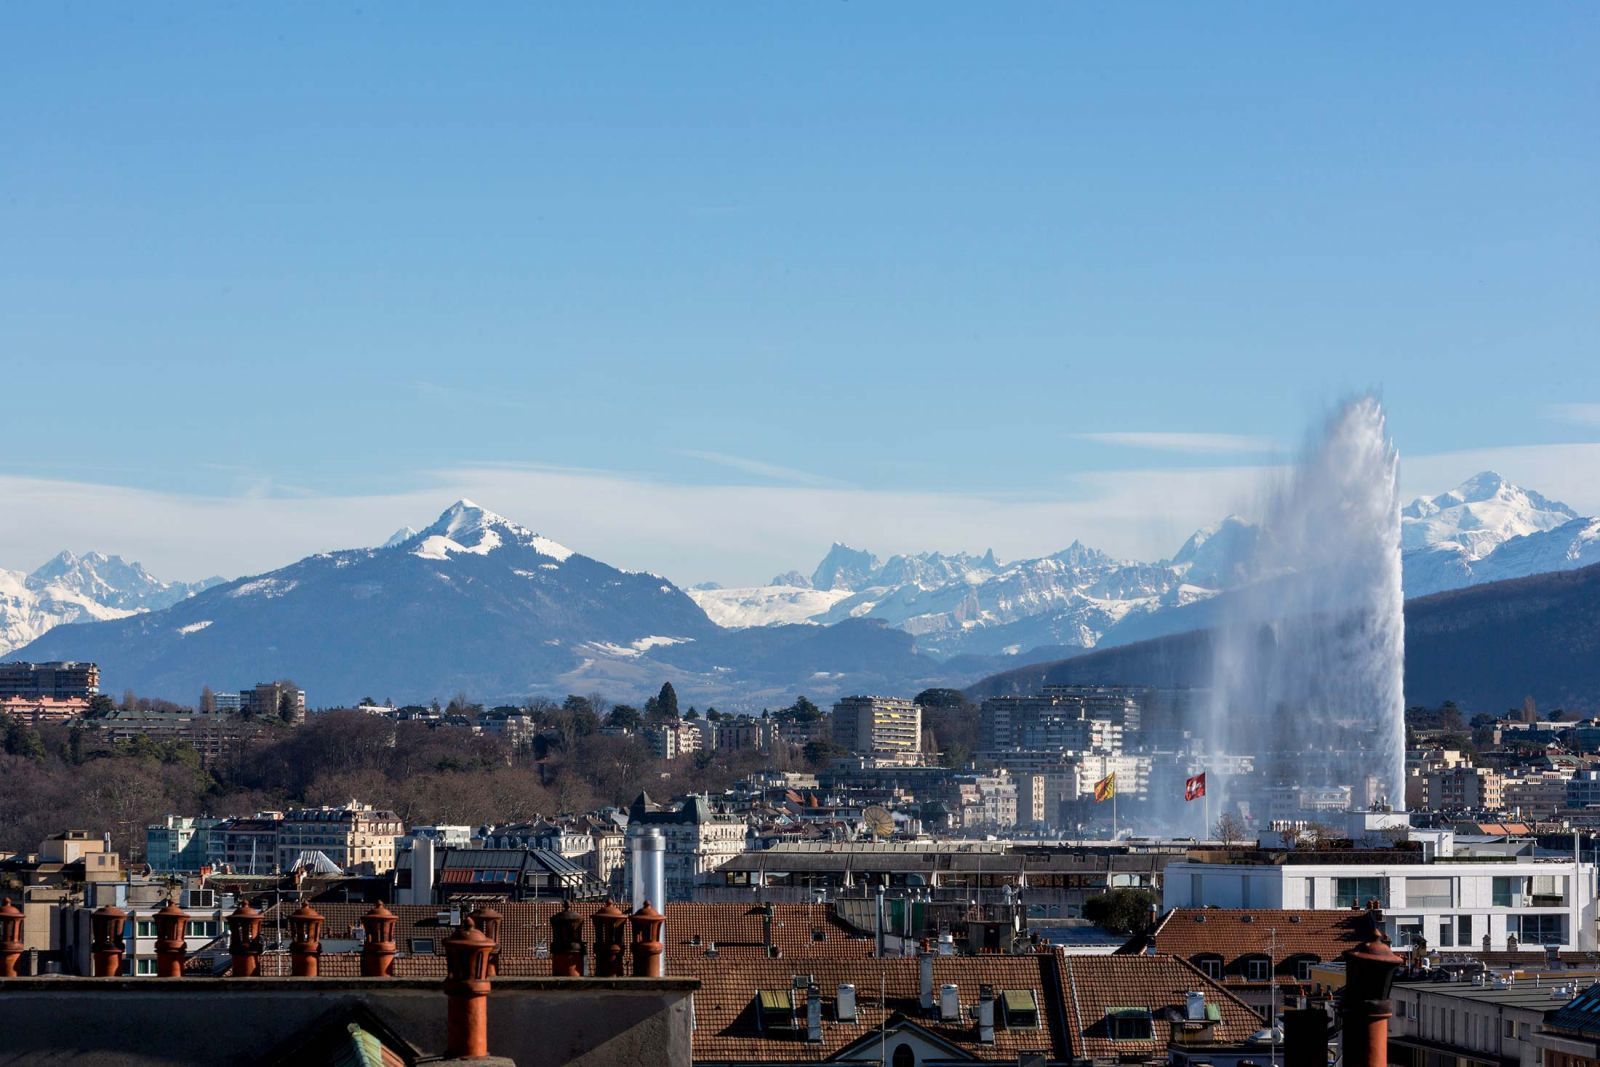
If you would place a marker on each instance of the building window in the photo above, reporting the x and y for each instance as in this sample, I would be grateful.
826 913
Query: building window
1538 929
1464 931
422 946
1258 968
1355 892
1507 892
1131 1024
1302 967
144 966
904 1056
147 928
1429 893
1210 966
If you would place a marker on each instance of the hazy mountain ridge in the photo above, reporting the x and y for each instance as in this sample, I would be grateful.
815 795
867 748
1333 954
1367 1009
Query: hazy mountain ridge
1485 529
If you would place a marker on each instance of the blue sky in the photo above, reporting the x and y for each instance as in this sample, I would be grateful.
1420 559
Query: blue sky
279 279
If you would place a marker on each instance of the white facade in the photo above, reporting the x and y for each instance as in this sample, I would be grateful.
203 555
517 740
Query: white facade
1451 904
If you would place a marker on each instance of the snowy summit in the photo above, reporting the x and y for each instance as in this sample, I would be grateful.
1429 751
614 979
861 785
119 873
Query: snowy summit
464 527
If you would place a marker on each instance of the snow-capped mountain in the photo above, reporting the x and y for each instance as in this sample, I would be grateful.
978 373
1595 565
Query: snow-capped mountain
87 588
966 604
473 600
1452 540
1486 529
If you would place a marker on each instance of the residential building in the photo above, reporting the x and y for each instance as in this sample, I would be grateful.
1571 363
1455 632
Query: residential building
745 732
38 711
356 837
1535 794
874 725
698 840
671 739
274 699
61 680
1495 1023
1464 788
1461 902
215 737
245 845
1583 790
179 843
1059 718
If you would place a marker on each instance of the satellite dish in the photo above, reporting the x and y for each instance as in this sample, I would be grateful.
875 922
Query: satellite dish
878 821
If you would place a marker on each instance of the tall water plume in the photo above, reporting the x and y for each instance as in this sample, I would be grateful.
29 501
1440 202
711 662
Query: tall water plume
1308 661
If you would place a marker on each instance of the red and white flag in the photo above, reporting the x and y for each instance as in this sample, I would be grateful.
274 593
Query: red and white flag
1194 788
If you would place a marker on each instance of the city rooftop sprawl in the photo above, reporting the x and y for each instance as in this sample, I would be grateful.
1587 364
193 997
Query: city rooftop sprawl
1068 883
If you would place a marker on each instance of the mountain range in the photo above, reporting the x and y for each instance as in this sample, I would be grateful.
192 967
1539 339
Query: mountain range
72 588
477 603
1486 529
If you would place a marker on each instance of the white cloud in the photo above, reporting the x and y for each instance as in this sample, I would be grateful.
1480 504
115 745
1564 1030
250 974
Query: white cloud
1198 443
735 534
770 471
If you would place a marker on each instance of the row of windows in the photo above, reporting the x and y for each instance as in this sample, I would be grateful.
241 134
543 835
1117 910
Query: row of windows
1256 968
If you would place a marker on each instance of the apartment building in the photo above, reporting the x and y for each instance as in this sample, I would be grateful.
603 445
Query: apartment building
179 843
1069 718
874 725
274 700
1464 788
698 840
61 680
1535 795
1459 902
674 738
357 837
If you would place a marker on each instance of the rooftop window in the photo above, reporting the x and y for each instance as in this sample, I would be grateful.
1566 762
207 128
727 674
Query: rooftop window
1131 1024
1020 1008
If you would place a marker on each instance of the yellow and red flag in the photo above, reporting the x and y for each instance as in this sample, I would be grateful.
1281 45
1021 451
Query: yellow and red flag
1105 788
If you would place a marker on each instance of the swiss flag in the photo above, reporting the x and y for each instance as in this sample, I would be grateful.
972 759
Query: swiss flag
1194 788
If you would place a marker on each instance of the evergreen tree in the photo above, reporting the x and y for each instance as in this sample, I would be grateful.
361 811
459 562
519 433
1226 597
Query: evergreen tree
667 701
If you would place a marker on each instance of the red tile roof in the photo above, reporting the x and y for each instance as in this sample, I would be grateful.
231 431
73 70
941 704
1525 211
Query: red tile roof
728 1028
1093 987
1285 936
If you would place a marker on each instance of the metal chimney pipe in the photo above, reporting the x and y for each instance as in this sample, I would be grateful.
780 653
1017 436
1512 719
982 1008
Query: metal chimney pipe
925 984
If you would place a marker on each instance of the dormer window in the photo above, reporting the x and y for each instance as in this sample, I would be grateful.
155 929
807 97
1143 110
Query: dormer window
775 1009
1257 968
1209 965
1131 1024
1020 1009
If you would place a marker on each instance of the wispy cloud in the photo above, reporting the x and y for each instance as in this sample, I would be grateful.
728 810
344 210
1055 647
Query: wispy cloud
1583 414
735 533
760 469
1196 443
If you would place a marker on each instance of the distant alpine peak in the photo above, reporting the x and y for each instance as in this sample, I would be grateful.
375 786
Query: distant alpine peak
400 536
466 527
1482 488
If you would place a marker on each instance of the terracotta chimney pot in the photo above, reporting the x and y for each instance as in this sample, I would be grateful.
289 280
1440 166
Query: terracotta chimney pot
107 924
610 940
305 941
244 940
466 987
647 946
566 943
172 924
378 948
487 920
10 938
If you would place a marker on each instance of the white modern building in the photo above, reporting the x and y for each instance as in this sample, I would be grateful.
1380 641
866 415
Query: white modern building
1450 902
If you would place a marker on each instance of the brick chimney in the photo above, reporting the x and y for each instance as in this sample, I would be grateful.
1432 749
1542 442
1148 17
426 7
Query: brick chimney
610 940
377 948
305 941
172 923
106 924
486 919
10 938
566 943
244 940
647 947
467 988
